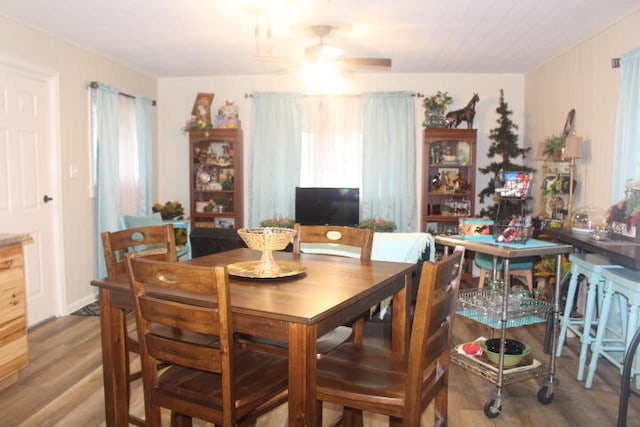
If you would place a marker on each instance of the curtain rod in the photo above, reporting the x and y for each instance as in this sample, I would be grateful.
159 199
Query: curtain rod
94 85
615 62
417 95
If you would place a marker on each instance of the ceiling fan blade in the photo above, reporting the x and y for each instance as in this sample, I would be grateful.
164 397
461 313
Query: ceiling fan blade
368 62
266 58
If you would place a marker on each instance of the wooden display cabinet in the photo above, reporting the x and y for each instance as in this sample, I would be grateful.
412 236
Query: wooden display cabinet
448 178
215 169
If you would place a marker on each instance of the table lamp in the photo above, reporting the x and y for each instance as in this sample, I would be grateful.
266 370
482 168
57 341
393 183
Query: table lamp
572 151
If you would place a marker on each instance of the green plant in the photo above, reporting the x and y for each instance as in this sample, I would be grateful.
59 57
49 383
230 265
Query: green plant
195 123
626 211
434 109
170 210
277 222
437 102
377 224
553 146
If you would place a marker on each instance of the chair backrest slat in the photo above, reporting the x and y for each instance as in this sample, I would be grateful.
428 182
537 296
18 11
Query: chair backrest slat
196 356
171 313
357 237
156 242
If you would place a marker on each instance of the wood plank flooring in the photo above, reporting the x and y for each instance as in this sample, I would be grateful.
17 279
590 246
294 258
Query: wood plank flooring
62 386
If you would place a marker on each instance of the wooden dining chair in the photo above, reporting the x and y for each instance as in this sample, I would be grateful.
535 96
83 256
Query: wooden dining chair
366 378
358 238
156 242
210 378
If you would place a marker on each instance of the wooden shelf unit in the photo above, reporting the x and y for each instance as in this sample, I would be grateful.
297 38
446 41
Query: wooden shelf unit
215 168
449 155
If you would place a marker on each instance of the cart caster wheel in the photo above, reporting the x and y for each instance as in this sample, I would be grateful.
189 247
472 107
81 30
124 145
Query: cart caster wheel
545 395
492 411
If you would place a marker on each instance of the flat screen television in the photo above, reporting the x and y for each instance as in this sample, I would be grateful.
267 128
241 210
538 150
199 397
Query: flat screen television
327 206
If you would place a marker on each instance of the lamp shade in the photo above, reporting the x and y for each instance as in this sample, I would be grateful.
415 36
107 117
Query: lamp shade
573 147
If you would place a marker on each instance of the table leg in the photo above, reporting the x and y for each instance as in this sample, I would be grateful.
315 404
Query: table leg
112 327
302 374
399 318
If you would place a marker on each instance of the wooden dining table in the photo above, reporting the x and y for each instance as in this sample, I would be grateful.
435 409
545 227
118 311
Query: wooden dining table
329 292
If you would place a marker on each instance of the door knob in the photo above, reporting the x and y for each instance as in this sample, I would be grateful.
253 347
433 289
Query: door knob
47 198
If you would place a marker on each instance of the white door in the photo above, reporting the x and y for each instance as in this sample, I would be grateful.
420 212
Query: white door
28 178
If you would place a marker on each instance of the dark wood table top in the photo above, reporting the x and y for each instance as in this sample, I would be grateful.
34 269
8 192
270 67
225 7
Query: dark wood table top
623 252
327 285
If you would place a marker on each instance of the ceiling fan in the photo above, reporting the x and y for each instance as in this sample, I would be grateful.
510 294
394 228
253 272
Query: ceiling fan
322 53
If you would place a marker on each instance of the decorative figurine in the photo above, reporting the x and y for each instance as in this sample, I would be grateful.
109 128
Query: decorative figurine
435 182
454 118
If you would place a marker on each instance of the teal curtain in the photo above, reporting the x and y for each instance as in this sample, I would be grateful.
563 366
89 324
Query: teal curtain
276 134
144 126
389 159
104 139
627 143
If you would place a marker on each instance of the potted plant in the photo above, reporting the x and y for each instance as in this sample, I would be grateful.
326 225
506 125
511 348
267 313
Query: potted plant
445 210
220 204
434 109
278 222
553 146
169 211
377 224
624 216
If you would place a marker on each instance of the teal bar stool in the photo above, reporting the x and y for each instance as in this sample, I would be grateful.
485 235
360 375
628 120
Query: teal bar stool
622 285
591 267
519 267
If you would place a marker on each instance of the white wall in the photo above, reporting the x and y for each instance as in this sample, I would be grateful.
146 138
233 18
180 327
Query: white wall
75 68
582 78
178 95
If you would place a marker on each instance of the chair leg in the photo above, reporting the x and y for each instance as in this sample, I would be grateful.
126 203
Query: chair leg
483 274
625 380
179 420
319 412
353 417
529 278
358 330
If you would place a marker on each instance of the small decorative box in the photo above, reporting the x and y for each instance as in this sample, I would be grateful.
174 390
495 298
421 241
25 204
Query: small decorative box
476 228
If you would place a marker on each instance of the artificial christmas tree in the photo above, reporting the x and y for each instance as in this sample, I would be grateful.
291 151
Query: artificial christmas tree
505 146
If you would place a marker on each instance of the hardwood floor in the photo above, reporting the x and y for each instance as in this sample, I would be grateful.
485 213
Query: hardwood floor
62 386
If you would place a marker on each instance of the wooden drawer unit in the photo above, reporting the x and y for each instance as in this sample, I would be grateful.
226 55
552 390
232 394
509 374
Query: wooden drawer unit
13 321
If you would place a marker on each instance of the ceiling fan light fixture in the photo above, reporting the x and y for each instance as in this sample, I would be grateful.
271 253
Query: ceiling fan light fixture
323 78
322 53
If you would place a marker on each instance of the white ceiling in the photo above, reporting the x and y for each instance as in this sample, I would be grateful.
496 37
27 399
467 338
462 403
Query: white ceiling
169 38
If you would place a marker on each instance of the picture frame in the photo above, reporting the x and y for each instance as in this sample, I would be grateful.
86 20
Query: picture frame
516 184
202 107
229 223
565 180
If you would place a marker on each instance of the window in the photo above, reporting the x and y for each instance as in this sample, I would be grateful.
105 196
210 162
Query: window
331 154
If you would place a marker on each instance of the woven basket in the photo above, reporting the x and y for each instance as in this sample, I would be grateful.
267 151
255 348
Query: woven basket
267 238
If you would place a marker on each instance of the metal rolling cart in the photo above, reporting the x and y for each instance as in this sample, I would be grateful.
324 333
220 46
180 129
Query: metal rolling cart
474 305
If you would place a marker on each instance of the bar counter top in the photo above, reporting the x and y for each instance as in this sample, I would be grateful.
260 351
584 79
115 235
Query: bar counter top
8 239
625 252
